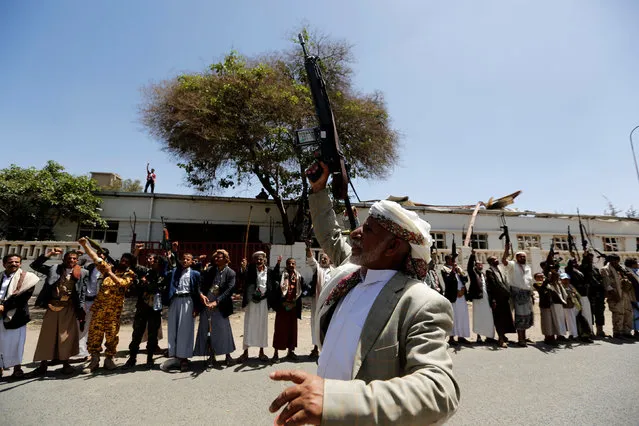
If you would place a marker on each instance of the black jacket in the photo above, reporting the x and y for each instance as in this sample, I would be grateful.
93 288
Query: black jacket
53 274
226 286
450 282
20 303
250 282
578 280
276 300
149 282
475 290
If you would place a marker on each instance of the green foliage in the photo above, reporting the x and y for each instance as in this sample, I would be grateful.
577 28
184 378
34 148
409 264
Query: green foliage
127 185
236 121
33 201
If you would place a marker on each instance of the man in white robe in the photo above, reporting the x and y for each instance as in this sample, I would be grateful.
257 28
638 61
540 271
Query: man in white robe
521 280
16 288
322 272
257 281
455 291
483 323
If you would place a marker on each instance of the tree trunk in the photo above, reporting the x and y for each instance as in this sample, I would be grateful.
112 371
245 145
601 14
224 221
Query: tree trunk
289 235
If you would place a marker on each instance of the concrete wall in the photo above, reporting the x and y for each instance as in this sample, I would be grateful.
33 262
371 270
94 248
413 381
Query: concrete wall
150 208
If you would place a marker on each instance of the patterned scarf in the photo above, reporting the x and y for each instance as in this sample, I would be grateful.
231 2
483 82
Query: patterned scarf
342 288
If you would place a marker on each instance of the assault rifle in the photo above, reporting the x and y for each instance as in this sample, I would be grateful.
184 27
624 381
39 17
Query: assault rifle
504 235
582 231
585 240
453 249
325 135
572 247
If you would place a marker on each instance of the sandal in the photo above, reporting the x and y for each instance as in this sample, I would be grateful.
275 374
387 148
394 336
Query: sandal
17 373
263 358
243 358
67 369
41 370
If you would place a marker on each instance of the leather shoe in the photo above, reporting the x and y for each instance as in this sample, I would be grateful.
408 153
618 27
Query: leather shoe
109 364
129 364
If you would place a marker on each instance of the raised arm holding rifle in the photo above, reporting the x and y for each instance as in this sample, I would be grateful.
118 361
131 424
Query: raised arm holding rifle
399 378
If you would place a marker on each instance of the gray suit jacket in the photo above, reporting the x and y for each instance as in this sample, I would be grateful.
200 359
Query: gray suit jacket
402 372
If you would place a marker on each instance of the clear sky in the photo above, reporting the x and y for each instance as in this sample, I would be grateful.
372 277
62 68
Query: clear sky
490 96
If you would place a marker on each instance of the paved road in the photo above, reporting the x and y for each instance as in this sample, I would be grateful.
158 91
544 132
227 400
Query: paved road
594 384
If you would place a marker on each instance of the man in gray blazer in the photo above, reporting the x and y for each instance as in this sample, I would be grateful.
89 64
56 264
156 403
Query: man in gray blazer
384 357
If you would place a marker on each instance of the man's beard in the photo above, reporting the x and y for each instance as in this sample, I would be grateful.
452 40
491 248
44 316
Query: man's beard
364 259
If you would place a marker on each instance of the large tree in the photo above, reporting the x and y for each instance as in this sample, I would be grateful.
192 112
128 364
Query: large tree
32 201
236 121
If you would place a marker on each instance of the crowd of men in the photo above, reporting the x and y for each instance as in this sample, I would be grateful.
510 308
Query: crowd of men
83 306
380 329
571 300
373 318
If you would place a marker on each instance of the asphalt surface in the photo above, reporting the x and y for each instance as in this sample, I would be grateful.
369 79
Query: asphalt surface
572 385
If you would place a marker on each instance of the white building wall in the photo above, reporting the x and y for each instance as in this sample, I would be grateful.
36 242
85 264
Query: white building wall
150 209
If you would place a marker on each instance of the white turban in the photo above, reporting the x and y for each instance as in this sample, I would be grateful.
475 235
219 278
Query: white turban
408 226
259 253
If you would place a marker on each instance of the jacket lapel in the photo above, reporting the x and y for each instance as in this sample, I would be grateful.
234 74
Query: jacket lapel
377 318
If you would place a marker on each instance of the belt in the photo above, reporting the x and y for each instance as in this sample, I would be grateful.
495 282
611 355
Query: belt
182 294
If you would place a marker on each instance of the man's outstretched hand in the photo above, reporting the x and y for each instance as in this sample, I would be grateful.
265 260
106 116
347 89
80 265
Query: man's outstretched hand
305 400
320 183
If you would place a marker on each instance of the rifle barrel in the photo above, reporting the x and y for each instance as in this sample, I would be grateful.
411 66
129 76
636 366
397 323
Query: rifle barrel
301 39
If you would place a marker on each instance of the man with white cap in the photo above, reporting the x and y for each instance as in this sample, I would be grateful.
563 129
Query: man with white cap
521 280
384 357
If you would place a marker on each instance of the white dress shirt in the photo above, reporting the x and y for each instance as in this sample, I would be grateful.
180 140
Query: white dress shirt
184 285
262 277
92 287
345 328
5 285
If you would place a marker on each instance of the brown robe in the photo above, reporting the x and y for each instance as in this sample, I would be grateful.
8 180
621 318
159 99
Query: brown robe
60 334
285 335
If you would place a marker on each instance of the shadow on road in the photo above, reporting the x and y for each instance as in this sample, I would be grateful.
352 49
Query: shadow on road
16 383
252 365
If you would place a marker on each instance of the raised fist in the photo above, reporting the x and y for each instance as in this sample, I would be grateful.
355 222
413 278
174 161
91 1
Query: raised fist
54 251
